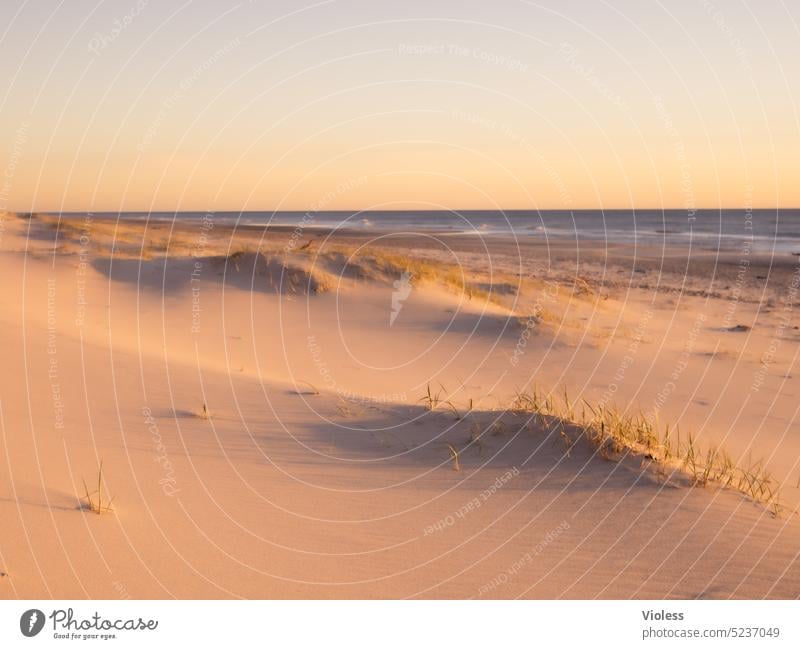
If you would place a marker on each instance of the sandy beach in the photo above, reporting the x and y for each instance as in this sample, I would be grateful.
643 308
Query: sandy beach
289 413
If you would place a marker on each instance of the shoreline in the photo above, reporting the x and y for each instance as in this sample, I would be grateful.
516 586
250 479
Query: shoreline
745 268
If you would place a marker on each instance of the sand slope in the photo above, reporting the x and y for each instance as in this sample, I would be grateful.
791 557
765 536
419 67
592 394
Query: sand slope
348 492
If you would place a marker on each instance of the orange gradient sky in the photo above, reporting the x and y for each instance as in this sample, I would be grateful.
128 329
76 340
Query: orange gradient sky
262 105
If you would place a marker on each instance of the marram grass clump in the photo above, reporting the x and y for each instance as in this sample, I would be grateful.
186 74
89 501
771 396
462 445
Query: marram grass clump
614 435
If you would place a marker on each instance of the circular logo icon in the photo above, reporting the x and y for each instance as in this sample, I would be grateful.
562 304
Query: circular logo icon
31 622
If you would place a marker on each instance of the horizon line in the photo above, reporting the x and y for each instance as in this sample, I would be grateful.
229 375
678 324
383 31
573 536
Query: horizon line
406 210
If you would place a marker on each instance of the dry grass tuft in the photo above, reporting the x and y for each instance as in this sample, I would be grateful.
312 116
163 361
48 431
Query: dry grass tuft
453 456
94 500
312 389
381 264
433 400
615 435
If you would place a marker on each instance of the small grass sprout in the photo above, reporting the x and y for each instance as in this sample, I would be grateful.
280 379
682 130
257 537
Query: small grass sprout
95 500
453 456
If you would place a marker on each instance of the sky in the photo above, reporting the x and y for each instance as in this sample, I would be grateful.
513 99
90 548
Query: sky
141 105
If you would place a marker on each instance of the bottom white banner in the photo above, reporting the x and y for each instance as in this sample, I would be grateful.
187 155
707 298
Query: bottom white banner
399 623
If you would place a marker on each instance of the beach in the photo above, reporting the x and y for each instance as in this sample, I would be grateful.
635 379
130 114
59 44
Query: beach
288 411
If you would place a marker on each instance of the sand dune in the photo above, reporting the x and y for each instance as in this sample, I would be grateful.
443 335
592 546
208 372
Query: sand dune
323 470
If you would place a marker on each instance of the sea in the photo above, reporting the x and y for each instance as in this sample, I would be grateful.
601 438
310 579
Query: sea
775 231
